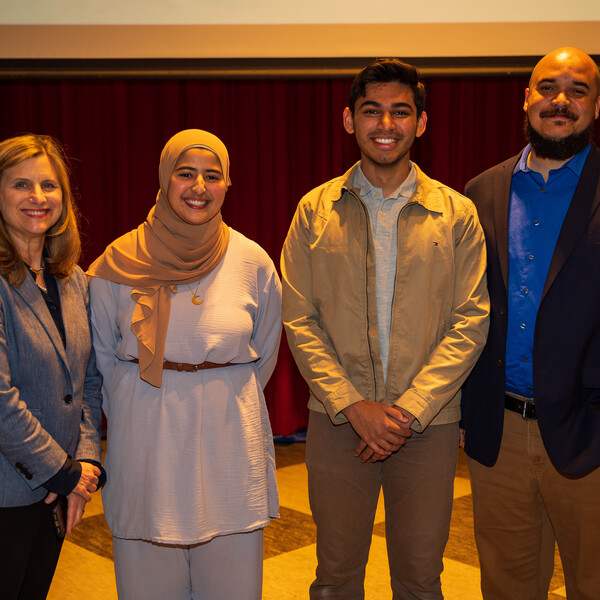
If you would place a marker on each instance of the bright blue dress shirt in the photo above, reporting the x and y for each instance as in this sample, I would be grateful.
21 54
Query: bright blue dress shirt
536 214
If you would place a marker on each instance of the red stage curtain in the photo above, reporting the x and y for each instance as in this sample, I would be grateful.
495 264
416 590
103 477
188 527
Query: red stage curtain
284 136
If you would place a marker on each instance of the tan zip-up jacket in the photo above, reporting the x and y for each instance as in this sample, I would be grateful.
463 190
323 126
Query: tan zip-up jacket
439 312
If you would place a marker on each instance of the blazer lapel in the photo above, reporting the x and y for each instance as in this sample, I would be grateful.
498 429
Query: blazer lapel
584 204
31 294
77 325
501 202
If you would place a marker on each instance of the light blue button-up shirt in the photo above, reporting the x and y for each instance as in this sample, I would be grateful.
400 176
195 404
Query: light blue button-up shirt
383 214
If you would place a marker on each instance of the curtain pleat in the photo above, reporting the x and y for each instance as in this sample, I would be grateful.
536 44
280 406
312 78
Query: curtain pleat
284 136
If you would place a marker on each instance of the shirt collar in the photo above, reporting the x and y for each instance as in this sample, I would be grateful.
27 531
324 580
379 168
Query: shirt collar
575 164
405 190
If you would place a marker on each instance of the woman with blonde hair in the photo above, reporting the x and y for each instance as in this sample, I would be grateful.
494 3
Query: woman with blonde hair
50 396
186 317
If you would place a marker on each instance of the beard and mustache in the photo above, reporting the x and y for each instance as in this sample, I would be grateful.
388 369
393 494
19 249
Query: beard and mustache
558 148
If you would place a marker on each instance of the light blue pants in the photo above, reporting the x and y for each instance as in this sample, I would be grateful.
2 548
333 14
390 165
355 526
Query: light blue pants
226 567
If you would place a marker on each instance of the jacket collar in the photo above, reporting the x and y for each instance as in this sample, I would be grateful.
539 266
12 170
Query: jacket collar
585 203
427 193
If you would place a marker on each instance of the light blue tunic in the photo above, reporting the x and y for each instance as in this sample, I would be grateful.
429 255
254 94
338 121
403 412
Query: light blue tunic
193 459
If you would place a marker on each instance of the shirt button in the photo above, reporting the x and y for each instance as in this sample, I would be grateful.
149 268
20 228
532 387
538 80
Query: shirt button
530 257
499 362
543 190
536 223
503 310
526 291
68 399
524 359
523 325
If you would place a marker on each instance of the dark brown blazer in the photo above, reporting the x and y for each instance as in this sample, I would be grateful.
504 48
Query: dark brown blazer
566 350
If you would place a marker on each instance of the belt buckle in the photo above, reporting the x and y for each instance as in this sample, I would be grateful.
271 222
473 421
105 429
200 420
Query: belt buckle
526 408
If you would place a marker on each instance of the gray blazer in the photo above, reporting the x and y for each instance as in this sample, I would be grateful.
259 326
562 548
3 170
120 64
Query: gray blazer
50 397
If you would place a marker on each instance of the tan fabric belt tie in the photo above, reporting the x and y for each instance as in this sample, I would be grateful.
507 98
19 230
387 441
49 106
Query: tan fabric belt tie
189 368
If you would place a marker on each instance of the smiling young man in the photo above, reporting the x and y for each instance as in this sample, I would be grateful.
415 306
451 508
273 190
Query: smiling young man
532 403
385 308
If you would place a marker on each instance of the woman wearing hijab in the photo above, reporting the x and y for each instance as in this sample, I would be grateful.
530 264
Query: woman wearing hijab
186 323
50 397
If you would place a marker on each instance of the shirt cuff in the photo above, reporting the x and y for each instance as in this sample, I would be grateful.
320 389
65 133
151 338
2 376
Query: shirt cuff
64 482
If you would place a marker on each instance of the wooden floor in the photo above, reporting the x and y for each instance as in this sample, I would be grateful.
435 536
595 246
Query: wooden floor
85 570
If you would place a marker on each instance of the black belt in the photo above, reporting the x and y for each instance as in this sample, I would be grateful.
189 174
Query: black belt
525 407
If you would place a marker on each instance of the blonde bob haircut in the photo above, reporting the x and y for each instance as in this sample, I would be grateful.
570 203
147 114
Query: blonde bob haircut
63 245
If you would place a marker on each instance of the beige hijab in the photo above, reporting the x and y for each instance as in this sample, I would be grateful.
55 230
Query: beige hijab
164 252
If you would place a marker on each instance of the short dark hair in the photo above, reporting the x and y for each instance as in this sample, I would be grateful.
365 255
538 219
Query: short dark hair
388 70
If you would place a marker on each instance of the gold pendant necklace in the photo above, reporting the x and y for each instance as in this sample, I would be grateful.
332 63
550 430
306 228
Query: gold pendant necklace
39 274
195 294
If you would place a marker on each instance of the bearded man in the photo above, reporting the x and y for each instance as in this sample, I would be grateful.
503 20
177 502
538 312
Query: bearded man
531 406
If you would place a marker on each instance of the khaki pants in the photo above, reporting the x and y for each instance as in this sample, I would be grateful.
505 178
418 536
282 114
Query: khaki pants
417 483
521 505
